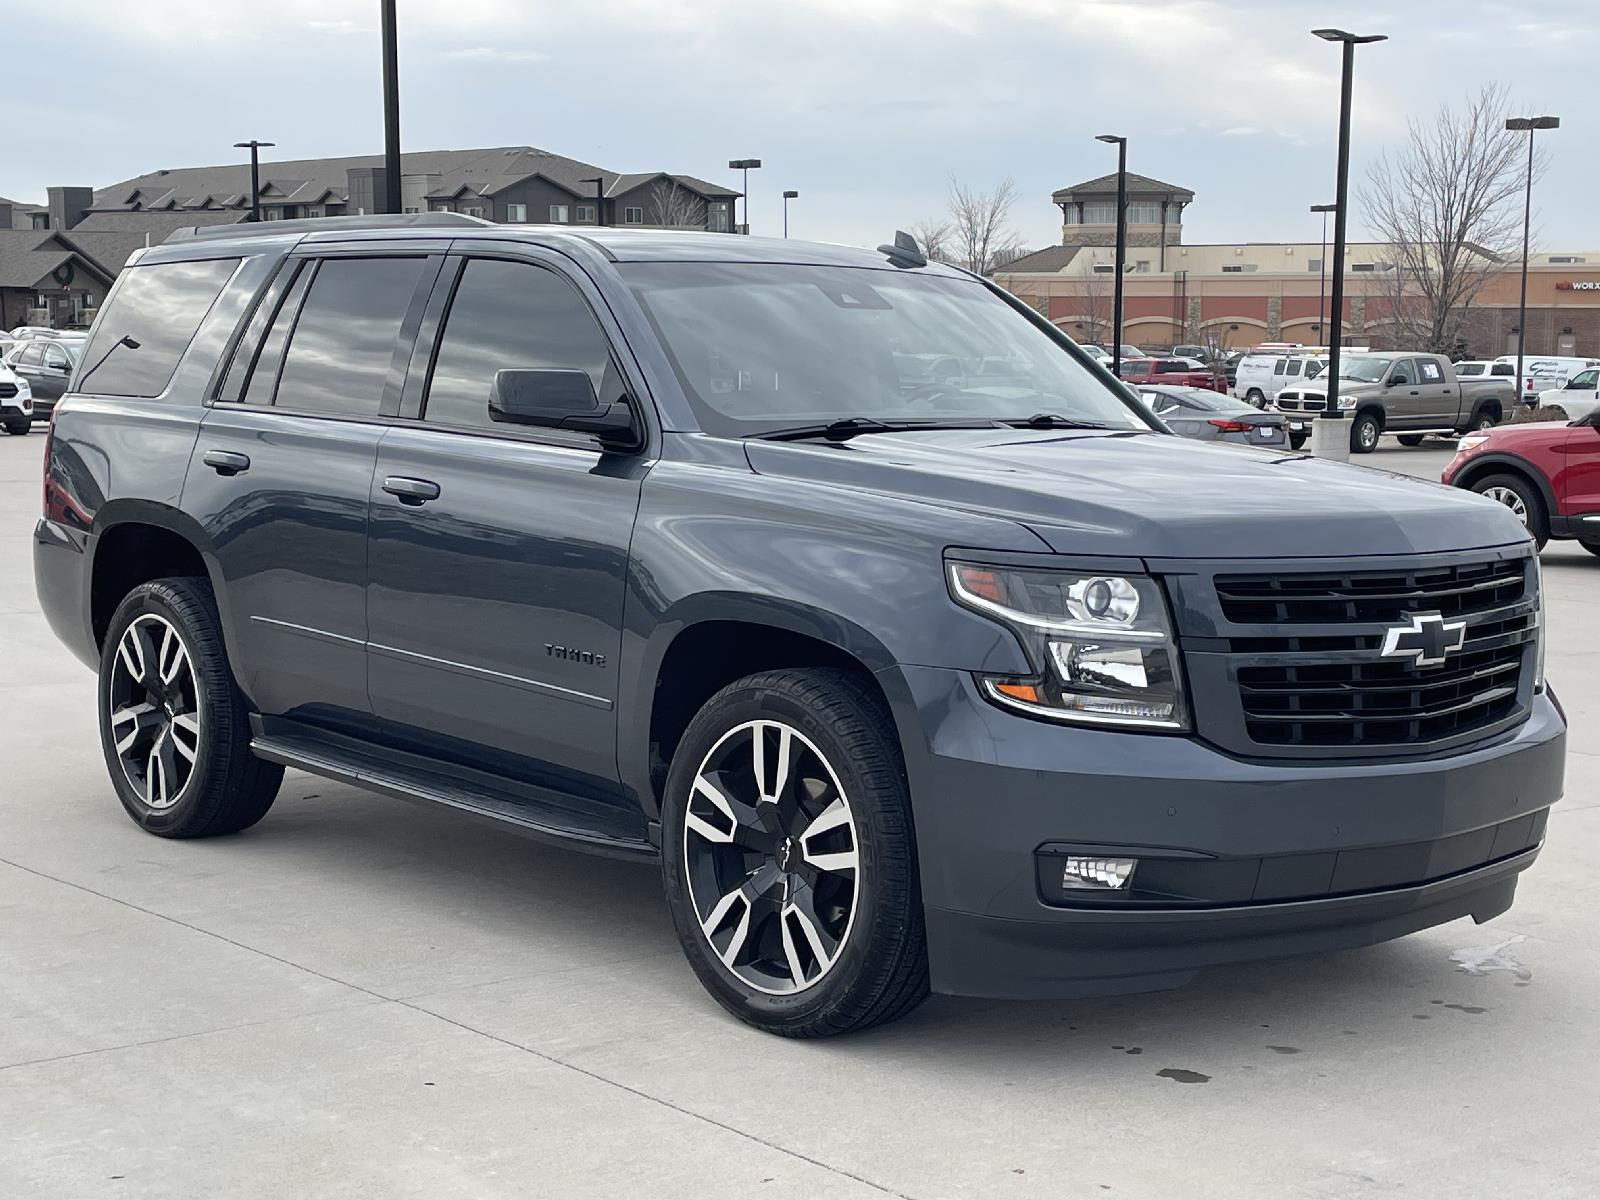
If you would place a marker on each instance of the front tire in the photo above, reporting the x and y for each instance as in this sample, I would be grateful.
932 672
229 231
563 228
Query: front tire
1364 433
1410 439
174 726
18 427
789 857
1256 397
1522 498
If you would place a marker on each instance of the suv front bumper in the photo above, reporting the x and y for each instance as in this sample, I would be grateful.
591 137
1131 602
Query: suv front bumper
1285 858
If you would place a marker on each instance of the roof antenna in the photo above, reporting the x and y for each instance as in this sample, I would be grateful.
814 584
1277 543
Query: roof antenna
904 252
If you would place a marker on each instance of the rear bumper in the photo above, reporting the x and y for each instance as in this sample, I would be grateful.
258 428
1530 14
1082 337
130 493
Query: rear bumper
61 579
1244 859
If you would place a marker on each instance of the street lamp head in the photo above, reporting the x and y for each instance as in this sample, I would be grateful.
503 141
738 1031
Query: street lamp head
1324 208
1110 139
743 164
791 195
253 145
1521 124
1355 39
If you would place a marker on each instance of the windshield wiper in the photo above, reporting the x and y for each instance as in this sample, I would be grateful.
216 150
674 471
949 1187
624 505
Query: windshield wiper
846 428
1046 420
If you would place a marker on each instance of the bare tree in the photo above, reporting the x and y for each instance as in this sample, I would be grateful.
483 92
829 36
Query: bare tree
1095 295
980 232
674 206
934 238
1446 205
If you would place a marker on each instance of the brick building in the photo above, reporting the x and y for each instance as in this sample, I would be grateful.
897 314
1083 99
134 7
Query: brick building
1240 294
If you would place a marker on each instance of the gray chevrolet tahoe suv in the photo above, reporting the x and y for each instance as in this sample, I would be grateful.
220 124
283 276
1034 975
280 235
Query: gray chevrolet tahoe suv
840 583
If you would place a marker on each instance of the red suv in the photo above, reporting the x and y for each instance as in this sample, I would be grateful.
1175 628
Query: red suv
1546 473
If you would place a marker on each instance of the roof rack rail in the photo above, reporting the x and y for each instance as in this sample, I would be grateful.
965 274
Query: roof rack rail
325 224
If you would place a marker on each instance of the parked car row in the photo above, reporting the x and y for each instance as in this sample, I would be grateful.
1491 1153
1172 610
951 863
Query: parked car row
34 374
1175 372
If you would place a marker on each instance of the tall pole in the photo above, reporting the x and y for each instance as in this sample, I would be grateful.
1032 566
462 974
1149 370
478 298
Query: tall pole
788 196
391 109
1122 247
1341 202
746 165
1322 263
255 147
1517 125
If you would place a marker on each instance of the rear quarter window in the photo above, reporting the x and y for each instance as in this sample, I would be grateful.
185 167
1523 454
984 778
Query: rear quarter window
157 308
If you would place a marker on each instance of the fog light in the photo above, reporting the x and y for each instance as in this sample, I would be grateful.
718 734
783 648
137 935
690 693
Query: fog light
1096 874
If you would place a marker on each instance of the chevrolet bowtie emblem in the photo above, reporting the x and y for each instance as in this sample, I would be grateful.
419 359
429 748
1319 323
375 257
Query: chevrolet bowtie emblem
1427 640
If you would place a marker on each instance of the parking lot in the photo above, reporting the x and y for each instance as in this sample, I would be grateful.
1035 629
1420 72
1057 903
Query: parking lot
363 998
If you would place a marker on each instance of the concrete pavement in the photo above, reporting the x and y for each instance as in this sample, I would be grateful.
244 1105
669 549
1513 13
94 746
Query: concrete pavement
360 998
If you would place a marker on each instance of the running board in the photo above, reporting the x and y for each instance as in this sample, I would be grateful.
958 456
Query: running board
367 771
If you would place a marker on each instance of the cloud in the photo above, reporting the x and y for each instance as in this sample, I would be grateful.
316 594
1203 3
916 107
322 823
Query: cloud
495 54
346 25
1240 131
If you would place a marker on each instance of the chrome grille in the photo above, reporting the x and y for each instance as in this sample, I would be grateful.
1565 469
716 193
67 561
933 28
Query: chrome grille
1306 663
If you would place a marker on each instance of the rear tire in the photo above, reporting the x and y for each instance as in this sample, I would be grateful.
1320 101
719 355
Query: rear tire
1486 418
1411 439
1591 547
796 898
1256 397
1364 433
18 428
1522 498
174 726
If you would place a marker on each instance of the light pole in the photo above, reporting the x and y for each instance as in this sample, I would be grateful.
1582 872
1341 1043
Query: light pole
1322 286
1331 441
391 109
1121 144
255 149
599 198
1518 125
746 165
787 196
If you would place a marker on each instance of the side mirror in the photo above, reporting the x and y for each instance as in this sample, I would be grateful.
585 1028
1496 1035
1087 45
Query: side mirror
560 399
1397 381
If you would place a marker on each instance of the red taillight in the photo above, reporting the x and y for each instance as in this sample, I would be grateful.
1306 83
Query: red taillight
1228 426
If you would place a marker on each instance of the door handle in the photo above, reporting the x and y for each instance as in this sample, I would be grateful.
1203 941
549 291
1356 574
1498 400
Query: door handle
227 462
411 491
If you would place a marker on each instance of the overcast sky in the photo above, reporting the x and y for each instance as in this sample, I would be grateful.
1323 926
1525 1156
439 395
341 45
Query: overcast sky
867 107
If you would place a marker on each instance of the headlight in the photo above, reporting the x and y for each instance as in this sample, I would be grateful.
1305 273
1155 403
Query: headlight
1345 402
1100 643
1471 443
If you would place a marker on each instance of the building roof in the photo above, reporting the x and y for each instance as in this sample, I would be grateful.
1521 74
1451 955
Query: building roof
308 181
22 214
1051 259
1106 185
22 261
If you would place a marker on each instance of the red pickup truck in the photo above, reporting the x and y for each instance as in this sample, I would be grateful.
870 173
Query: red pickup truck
1172 371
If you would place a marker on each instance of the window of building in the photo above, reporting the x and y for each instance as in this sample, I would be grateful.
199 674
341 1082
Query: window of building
313 212
1069 214
1100 212
1175 213
717 217
1142 264
473 210
1314 264
633 216
1105 268
291 211
1567 258
517 214
41 220
585 214
1567 343
159 307
509 316
344 338
558 213
1143 212
1232 268
270 214
1364 266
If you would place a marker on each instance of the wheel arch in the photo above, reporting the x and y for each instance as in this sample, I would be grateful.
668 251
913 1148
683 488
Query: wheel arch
707 642
1500 463
135 541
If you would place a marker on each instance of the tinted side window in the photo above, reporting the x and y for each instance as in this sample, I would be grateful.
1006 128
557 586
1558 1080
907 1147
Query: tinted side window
1431 371
269 358
1294 368
505 316
1279 366
1503 369
157 307
29 357
345 337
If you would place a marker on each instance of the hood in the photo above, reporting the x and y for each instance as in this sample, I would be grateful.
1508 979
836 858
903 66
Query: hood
1153 495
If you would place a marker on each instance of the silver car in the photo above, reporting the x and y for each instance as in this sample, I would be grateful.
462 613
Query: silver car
1214 417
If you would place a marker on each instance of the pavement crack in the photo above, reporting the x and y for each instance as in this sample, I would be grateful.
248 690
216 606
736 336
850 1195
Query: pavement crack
664 1103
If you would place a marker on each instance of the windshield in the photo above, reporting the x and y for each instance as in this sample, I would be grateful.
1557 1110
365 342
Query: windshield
1469 368
1364 368
1315 367
761 347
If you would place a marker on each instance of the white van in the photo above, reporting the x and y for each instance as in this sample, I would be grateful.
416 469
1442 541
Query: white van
1544 372
1261 377
1579 396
